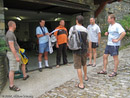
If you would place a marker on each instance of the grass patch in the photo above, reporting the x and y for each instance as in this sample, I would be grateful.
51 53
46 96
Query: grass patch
124 47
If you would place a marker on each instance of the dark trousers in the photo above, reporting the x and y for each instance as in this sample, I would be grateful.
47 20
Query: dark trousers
61 51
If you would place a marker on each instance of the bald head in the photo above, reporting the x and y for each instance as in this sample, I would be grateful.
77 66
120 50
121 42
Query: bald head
92 21
12 25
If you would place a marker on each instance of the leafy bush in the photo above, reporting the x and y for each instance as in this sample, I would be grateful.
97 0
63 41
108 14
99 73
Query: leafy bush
125 22
105 29
3 46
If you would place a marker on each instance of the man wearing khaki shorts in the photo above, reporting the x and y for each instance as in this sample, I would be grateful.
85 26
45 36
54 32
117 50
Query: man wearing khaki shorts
13 56
80 56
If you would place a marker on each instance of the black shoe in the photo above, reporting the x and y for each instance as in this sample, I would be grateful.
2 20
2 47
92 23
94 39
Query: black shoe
40 69
48 67
25 78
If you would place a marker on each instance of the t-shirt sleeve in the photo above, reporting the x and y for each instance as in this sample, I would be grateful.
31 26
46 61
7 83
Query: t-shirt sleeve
38 31
46 30
120 29
87 34
70 32
10 38
98 29
87 28
55 33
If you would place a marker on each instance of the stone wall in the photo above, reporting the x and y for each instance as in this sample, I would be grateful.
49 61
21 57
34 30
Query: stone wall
87 15
3 69
2 22
120 9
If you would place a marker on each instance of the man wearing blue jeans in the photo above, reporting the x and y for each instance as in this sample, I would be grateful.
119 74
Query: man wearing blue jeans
115 34
42 35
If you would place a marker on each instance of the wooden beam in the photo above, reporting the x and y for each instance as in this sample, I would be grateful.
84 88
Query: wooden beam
102 5
100 8
62 3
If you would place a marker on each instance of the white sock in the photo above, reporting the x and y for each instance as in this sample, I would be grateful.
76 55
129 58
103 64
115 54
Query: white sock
40 64
46 63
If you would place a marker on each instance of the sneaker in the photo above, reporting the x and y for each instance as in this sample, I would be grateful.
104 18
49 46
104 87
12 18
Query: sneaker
48 67
40 69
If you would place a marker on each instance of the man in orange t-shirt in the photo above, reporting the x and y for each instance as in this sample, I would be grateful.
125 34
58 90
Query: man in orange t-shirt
61 45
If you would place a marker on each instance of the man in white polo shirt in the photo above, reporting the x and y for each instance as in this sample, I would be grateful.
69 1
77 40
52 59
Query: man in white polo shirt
94 33
115 34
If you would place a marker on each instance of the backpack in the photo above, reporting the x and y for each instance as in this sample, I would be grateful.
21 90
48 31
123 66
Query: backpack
74 42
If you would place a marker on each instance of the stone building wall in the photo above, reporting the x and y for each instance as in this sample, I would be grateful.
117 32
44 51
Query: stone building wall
2 24
3 69
86 15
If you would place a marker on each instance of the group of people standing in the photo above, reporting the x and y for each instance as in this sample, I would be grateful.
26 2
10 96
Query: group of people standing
90 37
61 43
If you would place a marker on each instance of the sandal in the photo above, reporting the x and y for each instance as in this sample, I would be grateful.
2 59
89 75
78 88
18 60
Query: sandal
58 66
102 72
113 74
25 78
80 87
94 65
89 64
86 79
14 88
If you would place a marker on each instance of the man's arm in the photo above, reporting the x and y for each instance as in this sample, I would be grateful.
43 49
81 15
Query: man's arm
99 34
99 37
39 35
120 38
48 33
11 45
55 34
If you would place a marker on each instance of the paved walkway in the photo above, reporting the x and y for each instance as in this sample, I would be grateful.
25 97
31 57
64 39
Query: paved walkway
98 86
60 83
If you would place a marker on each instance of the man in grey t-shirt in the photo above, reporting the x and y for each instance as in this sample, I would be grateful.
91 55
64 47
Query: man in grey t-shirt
94 33
13 56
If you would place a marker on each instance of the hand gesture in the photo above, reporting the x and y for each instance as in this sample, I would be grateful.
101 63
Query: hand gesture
106 33
115 40
17 59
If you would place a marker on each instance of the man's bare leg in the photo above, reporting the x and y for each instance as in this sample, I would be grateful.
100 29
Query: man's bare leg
11 81
24 70
85 72
105 61
116 63
79 71
90 52
46 56
11 78
94 56
40 57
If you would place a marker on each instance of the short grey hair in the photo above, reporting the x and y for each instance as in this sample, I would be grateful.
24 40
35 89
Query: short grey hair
10 23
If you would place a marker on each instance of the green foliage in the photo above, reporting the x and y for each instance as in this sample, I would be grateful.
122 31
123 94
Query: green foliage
105 29
3 46
125 22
